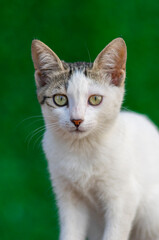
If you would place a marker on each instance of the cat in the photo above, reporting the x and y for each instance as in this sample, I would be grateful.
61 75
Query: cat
103 162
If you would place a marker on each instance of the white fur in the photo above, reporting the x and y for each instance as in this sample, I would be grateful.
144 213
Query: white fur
106 177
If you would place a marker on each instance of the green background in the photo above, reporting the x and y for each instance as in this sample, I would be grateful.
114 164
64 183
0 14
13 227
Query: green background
76 31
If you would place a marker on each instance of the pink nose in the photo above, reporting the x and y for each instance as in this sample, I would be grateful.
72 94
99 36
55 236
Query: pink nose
76 122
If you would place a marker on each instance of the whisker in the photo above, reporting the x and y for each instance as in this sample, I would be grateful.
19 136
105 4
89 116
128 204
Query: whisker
88 52
36 130
41 129
35 135
125 108
28 118
37 140
38 120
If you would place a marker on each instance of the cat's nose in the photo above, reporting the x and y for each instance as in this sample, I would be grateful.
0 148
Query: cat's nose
76 122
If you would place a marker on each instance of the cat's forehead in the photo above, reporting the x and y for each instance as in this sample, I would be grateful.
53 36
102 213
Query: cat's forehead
78 83
76 76
74 71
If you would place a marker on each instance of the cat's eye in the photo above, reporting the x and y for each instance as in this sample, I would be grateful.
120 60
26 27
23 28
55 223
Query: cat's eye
60 100
95 100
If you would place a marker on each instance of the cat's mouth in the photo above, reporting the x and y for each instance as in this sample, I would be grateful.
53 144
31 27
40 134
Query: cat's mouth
77 130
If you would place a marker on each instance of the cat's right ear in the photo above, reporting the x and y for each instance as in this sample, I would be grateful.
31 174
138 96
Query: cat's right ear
46 62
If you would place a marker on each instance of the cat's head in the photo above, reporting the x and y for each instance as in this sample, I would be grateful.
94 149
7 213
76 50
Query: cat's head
80 98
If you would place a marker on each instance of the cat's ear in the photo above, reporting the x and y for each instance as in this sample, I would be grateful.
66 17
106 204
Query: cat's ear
112 61
46 62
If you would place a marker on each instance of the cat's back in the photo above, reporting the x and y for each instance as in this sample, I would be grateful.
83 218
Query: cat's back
142 138
140 129
139 124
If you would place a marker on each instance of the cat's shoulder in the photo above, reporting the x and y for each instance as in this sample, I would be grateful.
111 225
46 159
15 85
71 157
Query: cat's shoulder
134 116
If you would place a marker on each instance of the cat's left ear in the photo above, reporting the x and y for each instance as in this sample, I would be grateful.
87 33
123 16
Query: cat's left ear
111 62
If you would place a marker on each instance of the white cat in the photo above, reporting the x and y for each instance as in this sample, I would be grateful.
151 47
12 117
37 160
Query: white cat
104 164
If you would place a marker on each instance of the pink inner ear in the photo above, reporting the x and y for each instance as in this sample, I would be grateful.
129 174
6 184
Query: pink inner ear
117 77
40 79
112 60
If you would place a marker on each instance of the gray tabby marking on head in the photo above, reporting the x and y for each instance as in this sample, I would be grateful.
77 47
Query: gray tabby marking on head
51 72
60 79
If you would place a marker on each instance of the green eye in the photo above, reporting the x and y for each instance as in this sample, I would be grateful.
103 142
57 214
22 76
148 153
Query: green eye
60 100
95 100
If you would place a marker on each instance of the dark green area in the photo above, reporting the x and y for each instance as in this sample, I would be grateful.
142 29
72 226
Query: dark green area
76 31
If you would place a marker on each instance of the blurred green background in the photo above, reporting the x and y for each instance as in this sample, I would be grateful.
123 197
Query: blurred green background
76 31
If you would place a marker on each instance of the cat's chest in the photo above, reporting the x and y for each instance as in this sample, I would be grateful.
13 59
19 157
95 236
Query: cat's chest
83 175
87 171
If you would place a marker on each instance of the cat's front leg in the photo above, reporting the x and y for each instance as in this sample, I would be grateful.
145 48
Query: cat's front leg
73 214
119 217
